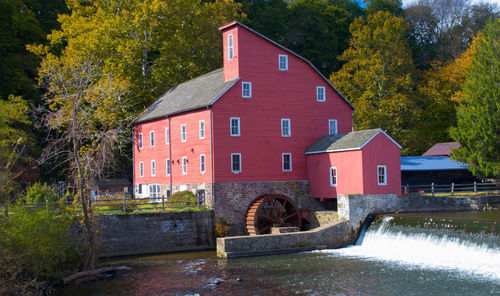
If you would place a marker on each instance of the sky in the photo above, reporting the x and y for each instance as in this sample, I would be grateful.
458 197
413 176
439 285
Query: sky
497 2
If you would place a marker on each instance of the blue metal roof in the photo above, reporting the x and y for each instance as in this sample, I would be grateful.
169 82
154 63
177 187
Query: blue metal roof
430 163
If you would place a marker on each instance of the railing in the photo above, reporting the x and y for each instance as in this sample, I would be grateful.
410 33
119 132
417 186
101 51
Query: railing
434 189
126 204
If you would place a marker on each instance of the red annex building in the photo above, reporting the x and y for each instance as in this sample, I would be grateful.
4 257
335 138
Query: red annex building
241 132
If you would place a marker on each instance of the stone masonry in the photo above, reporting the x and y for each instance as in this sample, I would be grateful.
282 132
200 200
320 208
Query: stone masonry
232 199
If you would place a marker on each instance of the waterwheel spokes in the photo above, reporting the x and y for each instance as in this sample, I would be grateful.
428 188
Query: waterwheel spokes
268 211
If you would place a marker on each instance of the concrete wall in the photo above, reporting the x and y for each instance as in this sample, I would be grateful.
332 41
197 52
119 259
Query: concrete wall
135 234
333 235
356 207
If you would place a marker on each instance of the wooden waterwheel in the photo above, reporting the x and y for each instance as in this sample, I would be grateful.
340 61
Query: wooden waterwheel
271 210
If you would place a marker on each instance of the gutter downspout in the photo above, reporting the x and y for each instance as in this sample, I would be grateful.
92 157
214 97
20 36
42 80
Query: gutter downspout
211 158
170 156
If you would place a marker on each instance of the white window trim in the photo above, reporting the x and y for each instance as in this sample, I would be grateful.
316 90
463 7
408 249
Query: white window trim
203 164
317 93
184 165
153 168
230 47
231 127
151 139
167 136
140 141
236 172
289 127
202 122
243 89
336 127
385 175
332 169
183 133
283 162
141 169
279 62
168 167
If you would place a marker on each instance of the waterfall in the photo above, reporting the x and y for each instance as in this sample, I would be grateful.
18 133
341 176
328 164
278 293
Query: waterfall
469 247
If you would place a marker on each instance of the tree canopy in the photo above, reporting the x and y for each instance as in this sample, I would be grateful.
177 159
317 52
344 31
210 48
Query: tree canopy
478 116
377 76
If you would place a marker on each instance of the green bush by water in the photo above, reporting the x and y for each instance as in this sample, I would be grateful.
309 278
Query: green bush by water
39 193
36 244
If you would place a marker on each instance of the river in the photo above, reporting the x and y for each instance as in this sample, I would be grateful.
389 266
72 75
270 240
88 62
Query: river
400 254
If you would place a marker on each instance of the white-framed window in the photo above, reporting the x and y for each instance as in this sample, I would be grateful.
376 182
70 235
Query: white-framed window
154 191
168 167
183 133
246 89
152 138
184 165
332 127
202 129
230 53
381 175
167 136
202 163
286 162
283 62
140 141
285 127
235 126
141 169
320 93
236 163
153 168
333 176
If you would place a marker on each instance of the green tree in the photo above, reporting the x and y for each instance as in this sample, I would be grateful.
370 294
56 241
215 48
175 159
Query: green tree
377 76
478 116
395 7
13 140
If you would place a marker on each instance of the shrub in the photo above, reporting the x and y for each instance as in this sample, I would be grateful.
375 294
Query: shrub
40 192
222 227
36 244
185 193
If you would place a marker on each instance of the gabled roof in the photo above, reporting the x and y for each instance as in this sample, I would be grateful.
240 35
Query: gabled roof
431 163
196 93
346 142
290 51
441 149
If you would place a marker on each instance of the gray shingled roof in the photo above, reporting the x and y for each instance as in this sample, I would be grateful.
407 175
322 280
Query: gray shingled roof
193 94
346 141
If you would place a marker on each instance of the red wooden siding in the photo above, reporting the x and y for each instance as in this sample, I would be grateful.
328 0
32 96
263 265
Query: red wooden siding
275 95
382 151
192 149
349 175
356 170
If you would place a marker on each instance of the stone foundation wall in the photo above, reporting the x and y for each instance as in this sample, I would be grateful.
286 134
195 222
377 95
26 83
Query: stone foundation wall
232 199
138 234
356 207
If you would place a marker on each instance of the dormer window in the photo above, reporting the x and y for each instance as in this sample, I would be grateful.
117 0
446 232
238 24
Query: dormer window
320 93
246 89
283 62
230 53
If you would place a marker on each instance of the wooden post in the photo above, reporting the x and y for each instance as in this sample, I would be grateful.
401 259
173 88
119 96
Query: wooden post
432 188
163 202
452 188
124 205
475 188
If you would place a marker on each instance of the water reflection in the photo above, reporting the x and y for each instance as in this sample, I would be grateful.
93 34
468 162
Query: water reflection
312 273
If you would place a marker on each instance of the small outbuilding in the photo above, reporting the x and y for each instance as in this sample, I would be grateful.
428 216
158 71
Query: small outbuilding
362 162
441 149
424 170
